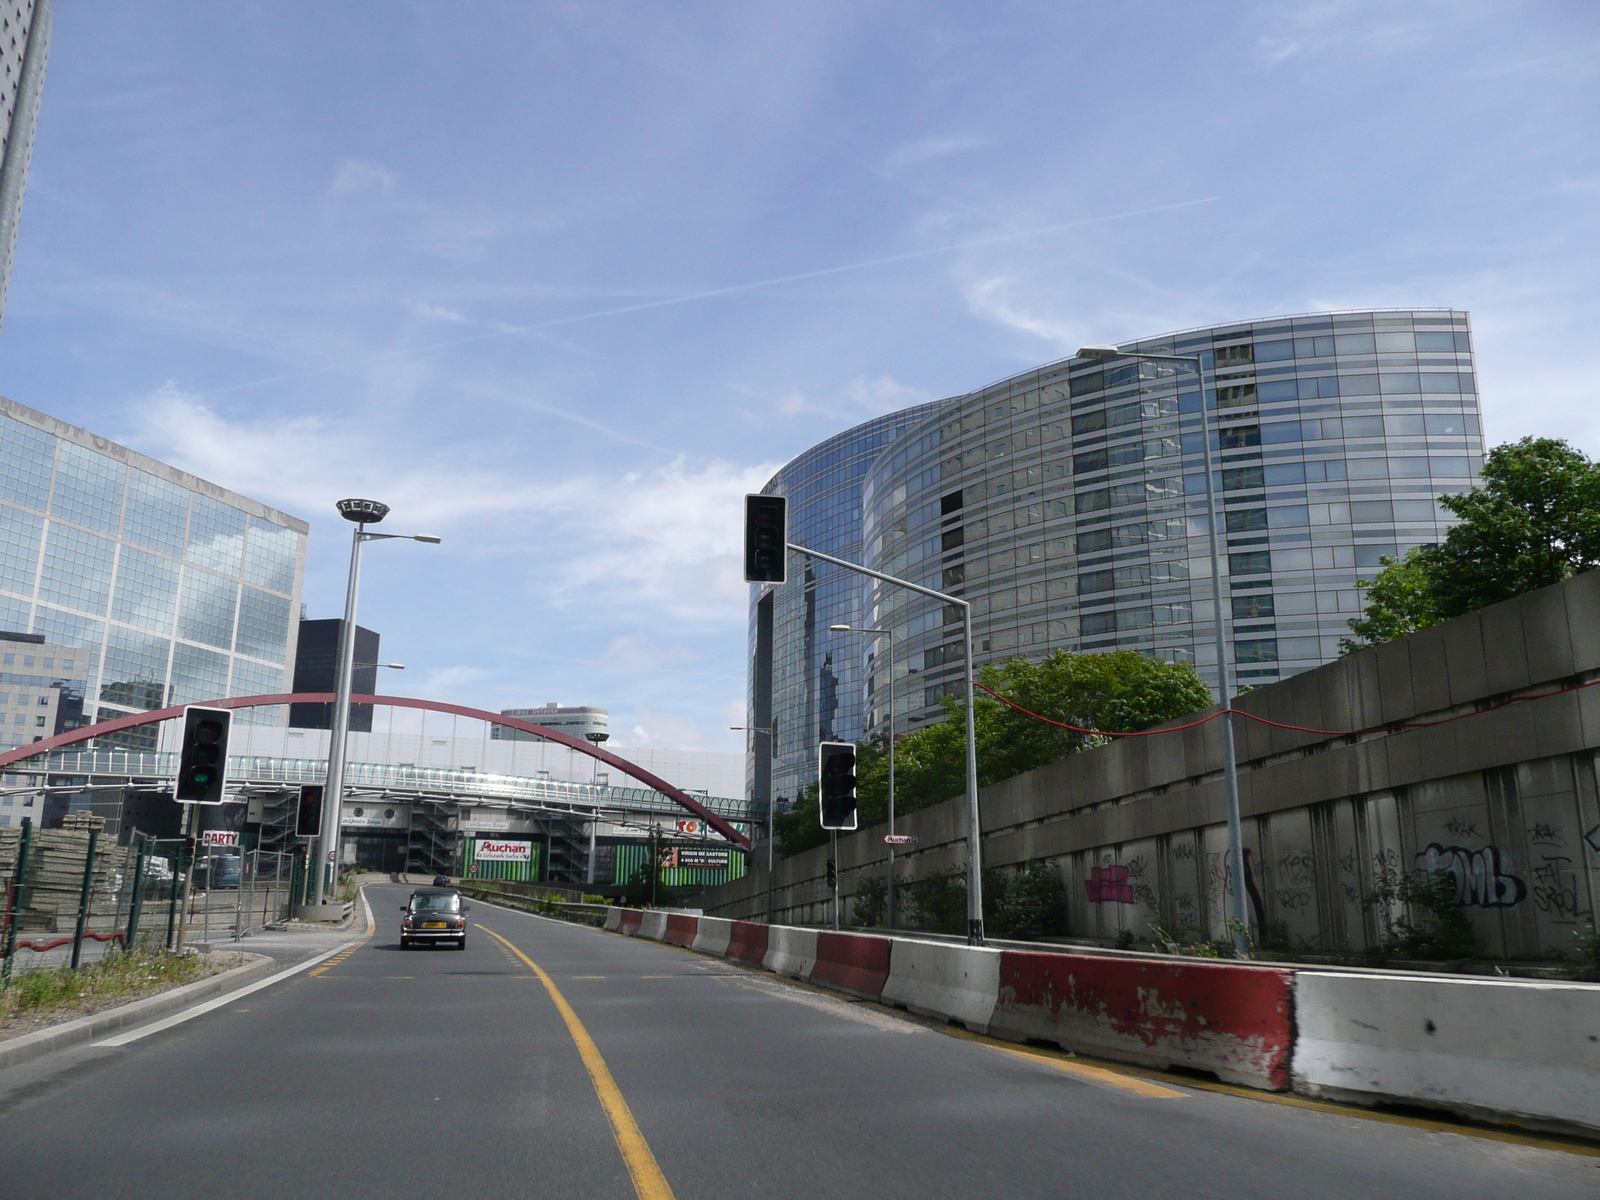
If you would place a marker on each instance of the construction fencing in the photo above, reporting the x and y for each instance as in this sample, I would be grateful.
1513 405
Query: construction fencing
70 897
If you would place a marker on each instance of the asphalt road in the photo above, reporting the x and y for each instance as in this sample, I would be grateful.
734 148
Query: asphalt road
438 1073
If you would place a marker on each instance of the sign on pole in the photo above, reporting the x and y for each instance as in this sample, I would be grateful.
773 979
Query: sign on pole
899 839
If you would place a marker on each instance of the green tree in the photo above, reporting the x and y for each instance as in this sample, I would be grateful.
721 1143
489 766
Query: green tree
1534 521
1122 691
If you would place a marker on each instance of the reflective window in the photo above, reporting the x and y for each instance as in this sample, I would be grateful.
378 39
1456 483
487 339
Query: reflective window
1250 562
69 629
206 609
19 549
1245 519
254 679
157 513
1259 651
147 590
88 488
216 535
198 675
77 569
135 674
1249 607
1237 478
26 458
263 625
269 559
14 615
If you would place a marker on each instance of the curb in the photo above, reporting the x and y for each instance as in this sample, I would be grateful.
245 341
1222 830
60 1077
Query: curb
86 1029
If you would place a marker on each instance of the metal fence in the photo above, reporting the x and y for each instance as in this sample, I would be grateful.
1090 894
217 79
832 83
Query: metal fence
69 897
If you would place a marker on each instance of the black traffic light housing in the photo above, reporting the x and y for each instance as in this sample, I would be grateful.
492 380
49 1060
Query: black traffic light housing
308 817
833 876
766 539
203 763
836 784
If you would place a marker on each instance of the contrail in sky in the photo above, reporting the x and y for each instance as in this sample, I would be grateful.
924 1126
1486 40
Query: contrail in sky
713 293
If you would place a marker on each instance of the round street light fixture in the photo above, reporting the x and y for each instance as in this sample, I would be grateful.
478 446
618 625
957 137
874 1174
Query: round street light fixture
363 512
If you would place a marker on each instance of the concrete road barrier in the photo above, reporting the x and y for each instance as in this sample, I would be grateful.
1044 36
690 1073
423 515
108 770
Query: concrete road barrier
747 941
944 980
680 929
1235 1021
1487 1048
791 951
652 925
628 922
712 936
852 962
613 920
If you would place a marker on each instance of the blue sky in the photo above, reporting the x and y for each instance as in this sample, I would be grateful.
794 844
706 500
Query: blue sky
456 256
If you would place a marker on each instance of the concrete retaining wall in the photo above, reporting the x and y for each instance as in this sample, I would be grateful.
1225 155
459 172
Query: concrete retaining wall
1489 1048
1235 1021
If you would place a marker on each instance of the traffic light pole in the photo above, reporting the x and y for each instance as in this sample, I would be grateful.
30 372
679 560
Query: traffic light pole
974 829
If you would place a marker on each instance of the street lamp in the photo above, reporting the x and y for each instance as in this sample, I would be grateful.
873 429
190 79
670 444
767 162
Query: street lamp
594 737
772 814
1237 923
888 901
362 513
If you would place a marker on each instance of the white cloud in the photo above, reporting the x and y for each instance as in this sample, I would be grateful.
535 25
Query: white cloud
666 537
884 394
434 312
354 177
992 299
928 148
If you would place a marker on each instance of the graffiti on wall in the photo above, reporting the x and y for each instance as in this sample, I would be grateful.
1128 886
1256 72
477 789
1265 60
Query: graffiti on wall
1480 882
1109 883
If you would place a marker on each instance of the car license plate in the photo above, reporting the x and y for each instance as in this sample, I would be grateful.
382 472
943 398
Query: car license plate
434 925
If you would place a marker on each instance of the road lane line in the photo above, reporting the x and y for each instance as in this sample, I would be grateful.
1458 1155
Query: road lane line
133 1035
1128 1083
648 1181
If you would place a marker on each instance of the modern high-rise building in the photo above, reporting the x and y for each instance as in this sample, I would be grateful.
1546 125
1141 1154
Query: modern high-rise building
174 589
316 669
24 51
1067 504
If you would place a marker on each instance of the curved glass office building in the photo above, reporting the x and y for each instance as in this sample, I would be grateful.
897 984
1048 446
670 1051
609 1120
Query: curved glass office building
807 683
1068 503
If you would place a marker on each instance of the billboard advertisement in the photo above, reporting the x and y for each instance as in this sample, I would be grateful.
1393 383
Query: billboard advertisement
500 850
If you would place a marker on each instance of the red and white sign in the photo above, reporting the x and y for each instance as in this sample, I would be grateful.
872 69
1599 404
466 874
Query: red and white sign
219 837
496 850
691 827
899 839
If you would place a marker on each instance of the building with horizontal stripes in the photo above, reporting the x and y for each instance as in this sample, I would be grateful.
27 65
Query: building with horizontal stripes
1068 505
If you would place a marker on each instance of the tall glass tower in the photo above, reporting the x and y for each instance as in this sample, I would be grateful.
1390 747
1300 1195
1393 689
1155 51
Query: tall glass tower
24 50
1068 504
177 590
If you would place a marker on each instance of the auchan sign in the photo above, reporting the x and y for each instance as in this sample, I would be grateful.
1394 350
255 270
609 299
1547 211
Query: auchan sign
497 850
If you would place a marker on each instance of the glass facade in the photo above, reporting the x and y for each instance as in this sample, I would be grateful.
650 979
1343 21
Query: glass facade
810 688
1068 503
175 590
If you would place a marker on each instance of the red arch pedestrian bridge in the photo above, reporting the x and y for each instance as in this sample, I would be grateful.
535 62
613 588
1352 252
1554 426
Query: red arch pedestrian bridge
649 779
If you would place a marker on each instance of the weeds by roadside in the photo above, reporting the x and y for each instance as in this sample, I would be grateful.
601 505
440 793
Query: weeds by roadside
114 980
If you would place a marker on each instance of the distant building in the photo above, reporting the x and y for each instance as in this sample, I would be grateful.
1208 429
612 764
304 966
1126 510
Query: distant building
315 669
41 688
24 50
578 722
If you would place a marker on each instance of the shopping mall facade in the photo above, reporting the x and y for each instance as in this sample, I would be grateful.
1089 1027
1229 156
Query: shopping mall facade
1067 505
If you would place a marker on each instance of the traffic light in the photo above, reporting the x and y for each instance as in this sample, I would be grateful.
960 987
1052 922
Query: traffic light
766 539
203 764
833 876
308 819
836 775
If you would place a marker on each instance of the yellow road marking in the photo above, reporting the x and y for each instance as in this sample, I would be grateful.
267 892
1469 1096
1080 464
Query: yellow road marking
372 928
648 1181
1128 1083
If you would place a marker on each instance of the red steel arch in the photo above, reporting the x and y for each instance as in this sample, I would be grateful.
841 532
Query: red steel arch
633 770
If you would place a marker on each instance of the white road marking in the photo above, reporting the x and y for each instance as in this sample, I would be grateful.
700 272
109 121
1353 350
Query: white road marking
133 1035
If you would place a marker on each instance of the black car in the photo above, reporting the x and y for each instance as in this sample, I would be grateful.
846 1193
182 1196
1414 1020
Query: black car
434 915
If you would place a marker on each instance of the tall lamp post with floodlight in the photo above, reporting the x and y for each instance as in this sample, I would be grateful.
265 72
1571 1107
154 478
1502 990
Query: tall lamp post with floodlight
362 513
1238 922
888 894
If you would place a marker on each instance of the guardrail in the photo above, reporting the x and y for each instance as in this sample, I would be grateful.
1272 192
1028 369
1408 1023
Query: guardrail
1507 1051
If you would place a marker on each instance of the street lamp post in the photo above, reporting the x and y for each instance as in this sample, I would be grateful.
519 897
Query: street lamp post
1238 921
888 894
362 513
772 827
974 823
